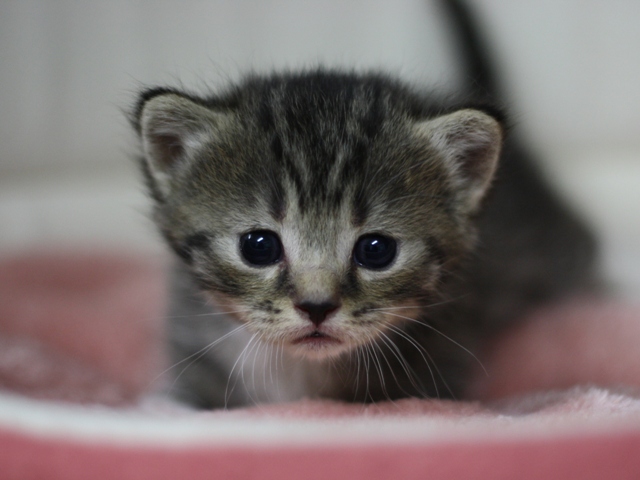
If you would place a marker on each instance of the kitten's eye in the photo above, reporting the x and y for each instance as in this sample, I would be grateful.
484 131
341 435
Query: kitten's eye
374 251
261 247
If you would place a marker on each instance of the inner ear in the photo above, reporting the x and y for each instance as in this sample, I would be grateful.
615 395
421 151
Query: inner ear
167 149
468 143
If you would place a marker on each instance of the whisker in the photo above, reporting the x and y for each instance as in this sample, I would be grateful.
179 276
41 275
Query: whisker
430 305
281 357
259 344
394 308
367 365
227 393
384 339
212 314
280 349
423 351
199 354
378 366
276 380
264 380
412 376
357 352
252 351
445 336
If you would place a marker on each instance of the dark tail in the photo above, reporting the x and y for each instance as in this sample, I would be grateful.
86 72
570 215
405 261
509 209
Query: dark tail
479 73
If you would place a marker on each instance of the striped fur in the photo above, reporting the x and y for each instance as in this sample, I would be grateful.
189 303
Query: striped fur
322 158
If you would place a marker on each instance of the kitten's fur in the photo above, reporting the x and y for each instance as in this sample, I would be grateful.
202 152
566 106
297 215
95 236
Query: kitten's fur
322 158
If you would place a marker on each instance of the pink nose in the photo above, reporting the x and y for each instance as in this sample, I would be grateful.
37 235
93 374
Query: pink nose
317 312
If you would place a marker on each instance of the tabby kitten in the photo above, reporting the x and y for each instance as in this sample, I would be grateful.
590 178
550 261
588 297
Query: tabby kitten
336 238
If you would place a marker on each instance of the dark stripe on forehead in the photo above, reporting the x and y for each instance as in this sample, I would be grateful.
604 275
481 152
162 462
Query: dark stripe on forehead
277 199
353 173
354 165
359 205
372 121
276 148
265 114
295 176
276 194
291 171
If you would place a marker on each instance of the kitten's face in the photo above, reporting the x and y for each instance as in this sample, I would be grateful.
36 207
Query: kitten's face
318 210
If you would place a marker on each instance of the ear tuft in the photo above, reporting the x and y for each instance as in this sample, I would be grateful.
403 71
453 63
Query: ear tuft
469 142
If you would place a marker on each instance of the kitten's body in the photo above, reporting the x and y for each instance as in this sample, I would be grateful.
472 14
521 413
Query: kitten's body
323 160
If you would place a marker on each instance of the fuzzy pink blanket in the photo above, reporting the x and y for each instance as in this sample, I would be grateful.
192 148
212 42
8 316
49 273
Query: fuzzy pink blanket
80 346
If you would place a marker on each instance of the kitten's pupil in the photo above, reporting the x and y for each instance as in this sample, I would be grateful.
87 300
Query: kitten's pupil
261 248
375 251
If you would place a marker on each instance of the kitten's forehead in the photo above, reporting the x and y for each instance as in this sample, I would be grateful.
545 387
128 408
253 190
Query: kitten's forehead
321 133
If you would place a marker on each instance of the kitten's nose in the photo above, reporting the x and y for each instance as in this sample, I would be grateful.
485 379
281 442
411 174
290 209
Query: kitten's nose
317 312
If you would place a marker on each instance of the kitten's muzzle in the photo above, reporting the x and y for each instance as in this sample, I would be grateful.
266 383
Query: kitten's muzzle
317 312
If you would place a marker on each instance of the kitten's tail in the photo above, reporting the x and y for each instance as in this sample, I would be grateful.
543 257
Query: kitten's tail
479 71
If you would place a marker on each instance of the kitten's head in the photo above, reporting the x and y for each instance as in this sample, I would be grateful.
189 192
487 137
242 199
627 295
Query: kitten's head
321 207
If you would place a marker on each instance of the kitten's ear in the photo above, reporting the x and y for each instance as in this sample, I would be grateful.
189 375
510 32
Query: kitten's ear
172 127
469 143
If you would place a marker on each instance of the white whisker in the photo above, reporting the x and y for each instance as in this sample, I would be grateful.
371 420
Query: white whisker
445 336
367 366
412 376
199 354
430 305
423 351
378 366
393 373
227 393
252 351
212 314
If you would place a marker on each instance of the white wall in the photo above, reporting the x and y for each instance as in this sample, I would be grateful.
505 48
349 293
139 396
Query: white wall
68 69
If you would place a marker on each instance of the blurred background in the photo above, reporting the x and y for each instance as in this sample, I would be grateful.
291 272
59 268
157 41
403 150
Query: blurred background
70 69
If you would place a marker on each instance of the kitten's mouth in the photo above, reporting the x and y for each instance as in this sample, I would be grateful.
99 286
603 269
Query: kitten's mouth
317 339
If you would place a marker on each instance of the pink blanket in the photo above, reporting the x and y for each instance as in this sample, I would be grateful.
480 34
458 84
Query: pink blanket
80 346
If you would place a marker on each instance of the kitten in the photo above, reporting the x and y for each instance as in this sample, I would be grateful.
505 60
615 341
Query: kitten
337 236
